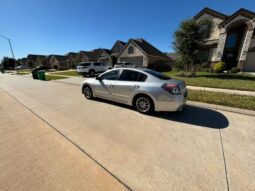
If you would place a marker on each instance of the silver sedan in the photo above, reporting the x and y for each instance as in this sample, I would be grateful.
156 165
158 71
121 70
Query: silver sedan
146 90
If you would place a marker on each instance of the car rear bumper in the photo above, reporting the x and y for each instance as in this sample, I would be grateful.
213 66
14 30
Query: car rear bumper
175 104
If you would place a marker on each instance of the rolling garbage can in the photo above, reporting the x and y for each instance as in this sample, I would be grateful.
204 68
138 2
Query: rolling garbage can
34 73
41 74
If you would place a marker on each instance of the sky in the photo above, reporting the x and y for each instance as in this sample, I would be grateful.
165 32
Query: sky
61 26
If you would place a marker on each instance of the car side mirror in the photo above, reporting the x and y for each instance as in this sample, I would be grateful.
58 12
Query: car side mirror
98 78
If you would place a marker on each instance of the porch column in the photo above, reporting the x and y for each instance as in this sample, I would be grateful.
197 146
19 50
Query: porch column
221 45
245 48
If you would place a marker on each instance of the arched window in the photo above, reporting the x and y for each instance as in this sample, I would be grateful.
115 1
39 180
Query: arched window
130 50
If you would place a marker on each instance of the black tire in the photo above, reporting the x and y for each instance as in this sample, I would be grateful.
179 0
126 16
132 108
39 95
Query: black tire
143 104
87 92
92 73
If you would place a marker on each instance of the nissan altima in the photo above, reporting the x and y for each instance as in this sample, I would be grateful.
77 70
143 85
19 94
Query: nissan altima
144 89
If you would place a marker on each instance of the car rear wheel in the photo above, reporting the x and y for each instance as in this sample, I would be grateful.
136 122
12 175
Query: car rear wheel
92 73
144 104
87 91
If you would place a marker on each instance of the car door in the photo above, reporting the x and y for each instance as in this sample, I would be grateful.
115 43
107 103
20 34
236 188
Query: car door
105 83
96 66
129 82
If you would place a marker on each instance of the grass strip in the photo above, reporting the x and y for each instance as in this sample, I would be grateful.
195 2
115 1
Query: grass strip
230 100
212 80
53 77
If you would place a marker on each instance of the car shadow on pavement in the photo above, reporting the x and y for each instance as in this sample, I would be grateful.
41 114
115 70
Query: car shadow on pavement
196 116
190 115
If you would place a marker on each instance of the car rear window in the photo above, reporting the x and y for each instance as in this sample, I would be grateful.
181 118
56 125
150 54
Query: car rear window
157 74
132 76
84 64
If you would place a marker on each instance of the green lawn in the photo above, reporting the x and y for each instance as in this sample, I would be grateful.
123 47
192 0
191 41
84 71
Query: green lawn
238 101
67 73
51 77
225 81
23 72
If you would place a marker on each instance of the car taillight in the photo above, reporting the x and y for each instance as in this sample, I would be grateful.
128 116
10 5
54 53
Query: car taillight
172 88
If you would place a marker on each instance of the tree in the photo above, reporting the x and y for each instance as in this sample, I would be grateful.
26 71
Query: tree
8 63
188 40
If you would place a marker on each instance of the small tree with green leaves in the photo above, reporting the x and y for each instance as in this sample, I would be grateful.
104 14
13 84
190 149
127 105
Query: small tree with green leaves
188 39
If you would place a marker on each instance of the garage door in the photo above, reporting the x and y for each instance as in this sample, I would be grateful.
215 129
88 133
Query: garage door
138 60
249 65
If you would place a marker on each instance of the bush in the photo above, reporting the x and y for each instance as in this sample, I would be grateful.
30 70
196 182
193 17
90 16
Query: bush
160 67
219 67
235 70
187 74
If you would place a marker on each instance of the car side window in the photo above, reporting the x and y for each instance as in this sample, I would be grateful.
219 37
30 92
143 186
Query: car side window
96 64
129 75
112 75
142 77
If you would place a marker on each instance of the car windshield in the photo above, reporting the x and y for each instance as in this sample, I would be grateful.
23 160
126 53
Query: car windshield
157 74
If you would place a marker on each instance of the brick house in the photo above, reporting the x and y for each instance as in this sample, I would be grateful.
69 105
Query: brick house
231 38
58 62
143 54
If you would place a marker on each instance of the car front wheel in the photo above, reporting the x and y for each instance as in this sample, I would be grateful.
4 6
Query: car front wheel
144 104
92 73
87 91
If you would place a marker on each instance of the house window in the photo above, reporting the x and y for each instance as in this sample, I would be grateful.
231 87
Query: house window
206 29
130 50
231 40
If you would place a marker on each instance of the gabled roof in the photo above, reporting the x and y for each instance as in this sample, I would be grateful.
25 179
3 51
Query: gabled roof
89 54
147 48
121 42
60 58
244 12
35 56
211 12
71 54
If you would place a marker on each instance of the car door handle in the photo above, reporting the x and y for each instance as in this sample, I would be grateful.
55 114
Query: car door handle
136 86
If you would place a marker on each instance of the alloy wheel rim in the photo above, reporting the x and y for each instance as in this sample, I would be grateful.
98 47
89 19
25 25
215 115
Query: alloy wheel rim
143 104
87 92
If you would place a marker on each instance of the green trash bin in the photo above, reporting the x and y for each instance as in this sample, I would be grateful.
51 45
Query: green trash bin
41 75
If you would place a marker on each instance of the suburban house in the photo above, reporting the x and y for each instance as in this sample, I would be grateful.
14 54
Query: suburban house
231 38
86 56
34 60
143 54
71 59
58 62
116 50
105 56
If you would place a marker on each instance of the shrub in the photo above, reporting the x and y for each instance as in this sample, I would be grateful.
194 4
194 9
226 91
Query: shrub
219 67
187 74
160 67
235 70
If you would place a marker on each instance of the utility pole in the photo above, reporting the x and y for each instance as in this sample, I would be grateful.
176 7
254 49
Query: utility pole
9 41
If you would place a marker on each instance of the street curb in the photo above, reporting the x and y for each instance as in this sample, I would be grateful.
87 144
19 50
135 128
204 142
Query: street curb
222 108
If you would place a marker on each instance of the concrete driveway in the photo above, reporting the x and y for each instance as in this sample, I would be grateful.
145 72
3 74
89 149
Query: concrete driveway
197 149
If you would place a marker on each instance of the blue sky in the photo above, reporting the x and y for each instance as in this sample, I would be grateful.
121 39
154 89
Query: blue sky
61 26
